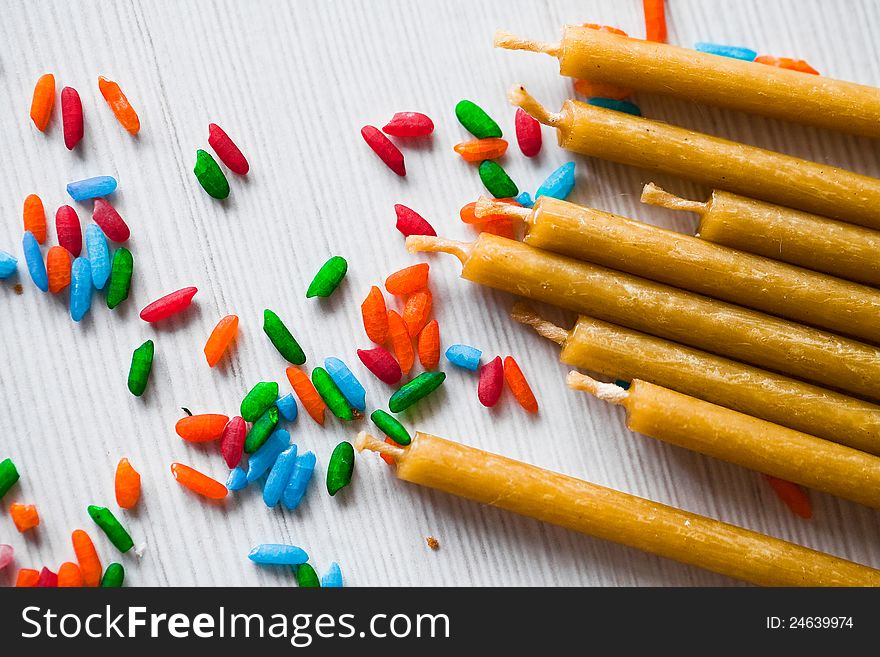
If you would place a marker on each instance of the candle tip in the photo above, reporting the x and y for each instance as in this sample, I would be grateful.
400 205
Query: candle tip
525 314
518 96
486 206
609 392
432 244
654 195
510 41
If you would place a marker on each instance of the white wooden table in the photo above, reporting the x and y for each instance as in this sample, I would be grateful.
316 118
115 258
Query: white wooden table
293 82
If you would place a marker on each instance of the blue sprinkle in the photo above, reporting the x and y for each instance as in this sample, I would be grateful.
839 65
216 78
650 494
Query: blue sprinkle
299 480
332 579
82 190
237 479
524 199
99 255
464 356
735 52
277 554
620 383
617 105
347 383
8 265
80 288
559 183
278 477
34 260
261 460
287 407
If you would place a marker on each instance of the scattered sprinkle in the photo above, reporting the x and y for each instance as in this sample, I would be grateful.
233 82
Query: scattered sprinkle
332 579
83 190
375 316
491 382
282 338
113 576
68 229
558 184
122 109
278 477
429 345
80 288
306 577
528 133
793 496
328 278
381 363
169 305
417 389
655 20
220 339
409 124
382 146
197 482
478 150
34 217
69 575
340 468
114 530
347 383
258 400
43 101
71 117
210 175
616 105
307 394
263 459
127 484
734 52
87 557
120 277
401 342
465 356
287 407
110 221
276 554
496 180
331 394
99 255
227 151
391 427
58 265
476 121
410 222
299 480
141 366
261 430
24 516
786 62
232 441
408 280
519 385
34 260
201 428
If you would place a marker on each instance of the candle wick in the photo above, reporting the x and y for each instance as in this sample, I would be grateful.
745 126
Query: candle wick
524 314
510 41
609 392
519 97
431 244
365 441
654 195
486 206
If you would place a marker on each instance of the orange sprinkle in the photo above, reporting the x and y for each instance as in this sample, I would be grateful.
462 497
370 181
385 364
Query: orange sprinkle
69 575
401 342
416 311
519 386
429 345
468 213
605 28
197 482
795 497
222 335
128 485
58 268
502 227
24 516
408 280
34 216
592 89
375 316
307 394
117 101
201 428
655 20
389 460
478 150
786 62
27 578
87 557
43 101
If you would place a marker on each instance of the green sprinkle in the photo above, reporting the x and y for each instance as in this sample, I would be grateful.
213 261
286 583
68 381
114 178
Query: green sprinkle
419 388
340 468
8 476
496 180
328 278
476 121
120 277
210 175
261 430
389 425
258 400
306 577
331 394
105 519
283 339
113 576
141 365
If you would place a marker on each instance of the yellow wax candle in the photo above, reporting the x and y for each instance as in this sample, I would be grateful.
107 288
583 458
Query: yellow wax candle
615 516
666 312
748 170
800 238
620 353
705 78
693 264
741 439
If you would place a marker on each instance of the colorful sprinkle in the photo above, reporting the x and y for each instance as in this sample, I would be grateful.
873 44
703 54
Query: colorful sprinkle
519 385
465 356
34 260
43 101
382 146
7 553
616 105
34 217
69 576
261 460
220 339
113 576
793 496
282 338
261 430
328 278
525 199
287 407
389 425
58 265
237 479
558 184
528 133
478 150
71 117
340 468
24 516
496 180
375 316
80 288
275 554
141 366
491 382
596 89
401 342
47 579
655 20
787 62
201 428
476 121
8 476
332 579
306 577
410 222
226 150
122 109
83 190
169 305
110 221
258 400
210 175
278 477
232 441
307 394
9 264
127 484
347 383
99 255
114 530
87 557
197 482
331 394
27 578
120 277
381 363
408 280
416 311
734 52
299 481
429 345
409 124
417 389
68 230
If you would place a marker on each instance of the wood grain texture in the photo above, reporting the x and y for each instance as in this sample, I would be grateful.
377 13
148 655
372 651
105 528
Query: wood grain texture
292 82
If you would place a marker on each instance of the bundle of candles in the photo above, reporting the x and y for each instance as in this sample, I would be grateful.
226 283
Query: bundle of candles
754 342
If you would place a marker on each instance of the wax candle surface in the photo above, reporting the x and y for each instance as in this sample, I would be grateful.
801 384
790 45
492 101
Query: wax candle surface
705 78
744 440
615 516
800 238
693 264
748 170
666 312
620 353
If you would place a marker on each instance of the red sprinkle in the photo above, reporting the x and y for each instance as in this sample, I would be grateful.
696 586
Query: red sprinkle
793 496
168 305
410 222
381 363
528 133
491 382
71 117
68 229
409 124
48 579
382 146
108 220
232 441
226 150
388 459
